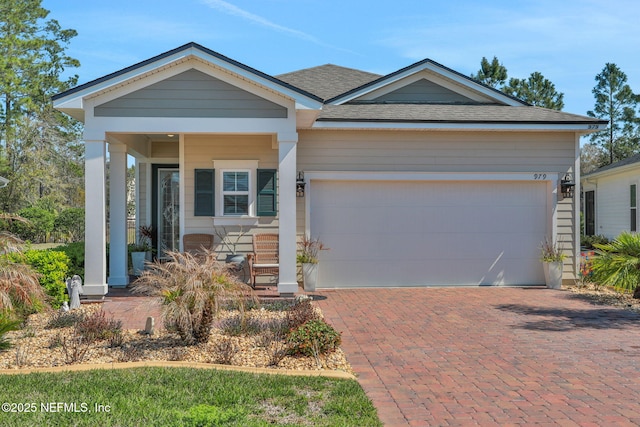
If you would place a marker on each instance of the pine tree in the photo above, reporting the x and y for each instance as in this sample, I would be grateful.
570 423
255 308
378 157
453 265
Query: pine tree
616 102
536 90
492 73
32 60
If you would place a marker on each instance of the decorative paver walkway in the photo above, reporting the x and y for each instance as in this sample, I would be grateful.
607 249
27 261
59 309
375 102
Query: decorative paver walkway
490 356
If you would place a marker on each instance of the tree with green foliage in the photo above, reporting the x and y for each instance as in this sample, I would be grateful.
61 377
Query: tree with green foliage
536 90
492 73
40 149
592 157
616 102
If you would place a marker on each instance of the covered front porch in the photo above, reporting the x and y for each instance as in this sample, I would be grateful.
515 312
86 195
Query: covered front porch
208 135
189 183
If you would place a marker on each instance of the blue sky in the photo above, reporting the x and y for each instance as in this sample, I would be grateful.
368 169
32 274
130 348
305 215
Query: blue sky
568 41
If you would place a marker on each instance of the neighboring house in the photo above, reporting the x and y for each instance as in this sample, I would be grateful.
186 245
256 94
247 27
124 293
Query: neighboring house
423 177
610 198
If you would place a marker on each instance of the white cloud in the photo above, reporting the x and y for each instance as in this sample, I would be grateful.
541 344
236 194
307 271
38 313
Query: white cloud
230 9
233 10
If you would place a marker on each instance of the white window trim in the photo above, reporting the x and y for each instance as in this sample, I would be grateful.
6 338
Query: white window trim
222 166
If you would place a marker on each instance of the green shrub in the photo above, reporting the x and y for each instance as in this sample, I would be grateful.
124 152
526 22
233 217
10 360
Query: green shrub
313 338
7 325
75 252
40 224
588 242
70 222
52 267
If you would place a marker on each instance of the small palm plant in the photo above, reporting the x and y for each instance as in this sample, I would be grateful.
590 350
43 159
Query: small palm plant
192 289
618 263
7 325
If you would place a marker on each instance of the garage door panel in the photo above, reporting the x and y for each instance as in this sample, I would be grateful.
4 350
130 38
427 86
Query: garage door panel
429 233
477 272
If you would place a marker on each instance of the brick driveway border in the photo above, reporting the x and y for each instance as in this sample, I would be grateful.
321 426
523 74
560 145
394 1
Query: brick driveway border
490 356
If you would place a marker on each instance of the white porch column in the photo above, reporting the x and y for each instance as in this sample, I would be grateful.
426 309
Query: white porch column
287 282
95 270
118 254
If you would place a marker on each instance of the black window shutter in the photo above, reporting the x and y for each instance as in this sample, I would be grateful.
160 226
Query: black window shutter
204 192
267 194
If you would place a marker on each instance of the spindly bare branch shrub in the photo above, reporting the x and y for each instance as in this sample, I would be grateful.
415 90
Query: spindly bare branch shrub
193 288
225 350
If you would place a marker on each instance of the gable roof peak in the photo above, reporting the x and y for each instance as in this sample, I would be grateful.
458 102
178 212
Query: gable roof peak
430 65
184 49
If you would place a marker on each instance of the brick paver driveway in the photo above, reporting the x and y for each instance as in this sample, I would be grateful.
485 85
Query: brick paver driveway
490 356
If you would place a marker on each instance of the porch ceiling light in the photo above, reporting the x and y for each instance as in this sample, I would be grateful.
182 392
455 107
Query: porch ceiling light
300 184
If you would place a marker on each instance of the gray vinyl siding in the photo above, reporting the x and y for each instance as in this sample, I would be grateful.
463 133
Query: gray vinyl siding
490 152
435 151
191 94
423 91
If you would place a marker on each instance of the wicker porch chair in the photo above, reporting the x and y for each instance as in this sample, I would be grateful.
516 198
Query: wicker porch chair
264 259
197 243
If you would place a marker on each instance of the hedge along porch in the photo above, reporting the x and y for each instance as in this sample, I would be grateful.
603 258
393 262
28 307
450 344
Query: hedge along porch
188 116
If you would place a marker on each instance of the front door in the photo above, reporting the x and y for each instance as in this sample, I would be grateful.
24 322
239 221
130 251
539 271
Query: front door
168 210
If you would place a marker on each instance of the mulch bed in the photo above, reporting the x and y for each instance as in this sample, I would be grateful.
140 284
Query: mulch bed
40 345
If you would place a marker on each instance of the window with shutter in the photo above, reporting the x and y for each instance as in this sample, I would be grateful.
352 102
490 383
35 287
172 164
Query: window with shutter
267 194
204 192
235 188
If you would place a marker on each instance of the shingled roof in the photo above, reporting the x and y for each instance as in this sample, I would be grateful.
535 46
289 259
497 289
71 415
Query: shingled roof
625 162
328 81
441 113
340 93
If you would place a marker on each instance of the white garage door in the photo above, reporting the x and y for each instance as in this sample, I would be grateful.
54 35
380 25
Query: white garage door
429 233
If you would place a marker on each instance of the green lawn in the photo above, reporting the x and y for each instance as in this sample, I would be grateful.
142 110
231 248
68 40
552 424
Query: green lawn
181 397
